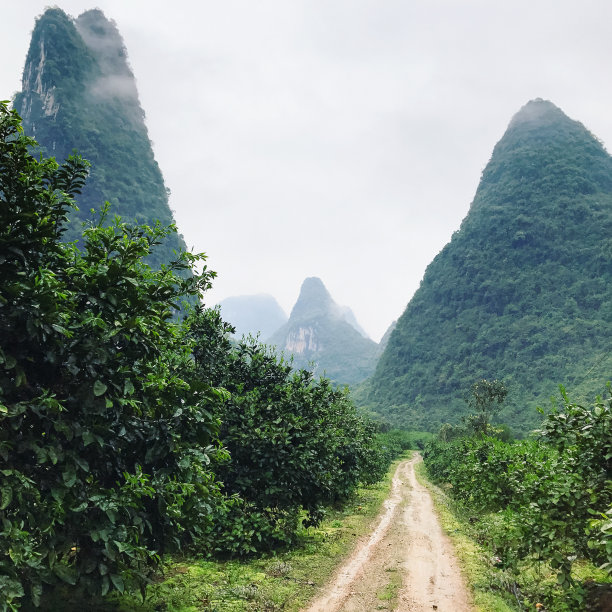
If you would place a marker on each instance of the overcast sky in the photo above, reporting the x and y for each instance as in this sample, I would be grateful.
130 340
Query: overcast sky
337 138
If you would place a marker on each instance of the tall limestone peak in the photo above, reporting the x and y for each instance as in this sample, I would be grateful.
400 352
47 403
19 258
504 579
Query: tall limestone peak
538 113
116 78
102 36
79 93
319 331
314 300
542 146
522 292
57 56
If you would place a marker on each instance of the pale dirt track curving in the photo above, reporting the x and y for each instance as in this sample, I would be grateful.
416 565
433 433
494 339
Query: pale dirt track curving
407 547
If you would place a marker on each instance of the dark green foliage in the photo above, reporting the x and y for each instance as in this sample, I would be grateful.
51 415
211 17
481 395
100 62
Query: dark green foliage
544 492
523 291
397 441
295 443
79 93
105 440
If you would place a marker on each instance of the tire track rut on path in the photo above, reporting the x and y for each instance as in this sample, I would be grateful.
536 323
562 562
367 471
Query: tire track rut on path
407 563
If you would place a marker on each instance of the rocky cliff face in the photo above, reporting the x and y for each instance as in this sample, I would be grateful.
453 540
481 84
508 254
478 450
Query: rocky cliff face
303 340
318 334
79 93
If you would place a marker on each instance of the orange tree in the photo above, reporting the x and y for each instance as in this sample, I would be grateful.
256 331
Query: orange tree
296 443
105 442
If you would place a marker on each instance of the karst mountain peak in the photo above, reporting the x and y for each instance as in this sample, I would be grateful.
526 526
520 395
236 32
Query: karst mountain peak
322 332
314 299
79 94
522 290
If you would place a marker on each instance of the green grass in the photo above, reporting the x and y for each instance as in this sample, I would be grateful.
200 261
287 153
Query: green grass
389 592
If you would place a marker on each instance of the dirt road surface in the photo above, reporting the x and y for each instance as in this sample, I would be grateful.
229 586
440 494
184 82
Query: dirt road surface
406 564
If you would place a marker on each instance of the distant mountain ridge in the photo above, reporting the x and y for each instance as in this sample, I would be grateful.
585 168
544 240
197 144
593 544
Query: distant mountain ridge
523 291
319 332
253 314
79 93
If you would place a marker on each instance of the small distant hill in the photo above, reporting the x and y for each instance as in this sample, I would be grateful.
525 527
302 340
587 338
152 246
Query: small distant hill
253 314
319 333
79 93
523 291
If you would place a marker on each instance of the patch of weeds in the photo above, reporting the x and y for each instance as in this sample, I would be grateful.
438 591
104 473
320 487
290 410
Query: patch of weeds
389 592
278 569
501 583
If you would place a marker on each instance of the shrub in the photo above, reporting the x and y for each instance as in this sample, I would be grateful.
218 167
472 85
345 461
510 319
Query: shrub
105 444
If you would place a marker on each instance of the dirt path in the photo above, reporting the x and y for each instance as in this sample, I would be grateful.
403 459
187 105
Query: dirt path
407 564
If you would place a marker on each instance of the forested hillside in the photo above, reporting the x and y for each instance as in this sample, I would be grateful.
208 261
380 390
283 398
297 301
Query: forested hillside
79 92
523 290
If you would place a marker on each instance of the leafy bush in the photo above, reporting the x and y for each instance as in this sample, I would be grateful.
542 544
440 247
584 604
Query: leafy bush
105 443
295 443
546 491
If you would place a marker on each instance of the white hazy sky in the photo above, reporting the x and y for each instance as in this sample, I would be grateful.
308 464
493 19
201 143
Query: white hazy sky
337 138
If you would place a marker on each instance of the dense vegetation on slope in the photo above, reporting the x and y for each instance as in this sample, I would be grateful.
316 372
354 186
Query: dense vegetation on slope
541 503
79 93
114 415
295 442
523 291
319 332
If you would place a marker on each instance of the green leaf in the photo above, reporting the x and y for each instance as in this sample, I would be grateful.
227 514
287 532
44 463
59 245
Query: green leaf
60 329
35 593
52 455
99 388
20 378
117 581
69 476
7 497
82 464
58 493
65 573
105 585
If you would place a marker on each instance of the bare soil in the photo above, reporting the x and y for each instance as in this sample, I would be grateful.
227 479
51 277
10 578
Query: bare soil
406 564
